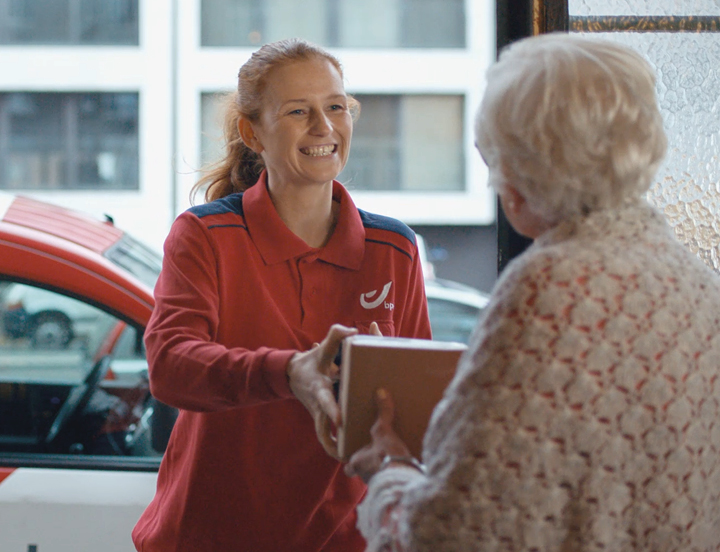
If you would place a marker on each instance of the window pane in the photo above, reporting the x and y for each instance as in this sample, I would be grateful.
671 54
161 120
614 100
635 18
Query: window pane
138 259
412 143
231 23
374 162
432 143
73 378
360 26
70 141
344 23
69 22
108 22
686 188
433 24
288 18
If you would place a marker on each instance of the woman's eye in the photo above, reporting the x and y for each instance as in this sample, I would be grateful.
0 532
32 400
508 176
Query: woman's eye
337 107
296 112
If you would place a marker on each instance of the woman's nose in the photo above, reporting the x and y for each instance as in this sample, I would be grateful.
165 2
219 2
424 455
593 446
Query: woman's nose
320 123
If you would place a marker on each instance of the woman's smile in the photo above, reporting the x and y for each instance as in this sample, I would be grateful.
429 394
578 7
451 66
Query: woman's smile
319 151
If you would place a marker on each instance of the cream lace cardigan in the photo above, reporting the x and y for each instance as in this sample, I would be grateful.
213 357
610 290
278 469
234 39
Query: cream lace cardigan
586 413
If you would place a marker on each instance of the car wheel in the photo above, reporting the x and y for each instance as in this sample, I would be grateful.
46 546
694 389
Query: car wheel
50 330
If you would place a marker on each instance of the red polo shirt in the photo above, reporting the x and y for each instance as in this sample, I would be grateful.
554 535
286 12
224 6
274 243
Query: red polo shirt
238 295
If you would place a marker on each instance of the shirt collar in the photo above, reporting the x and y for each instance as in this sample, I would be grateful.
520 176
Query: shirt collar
276 243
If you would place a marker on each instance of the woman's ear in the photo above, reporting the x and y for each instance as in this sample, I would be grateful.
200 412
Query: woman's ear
248 136
520 214
514 201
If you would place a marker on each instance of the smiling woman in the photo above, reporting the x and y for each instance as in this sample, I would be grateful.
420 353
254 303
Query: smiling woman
277 261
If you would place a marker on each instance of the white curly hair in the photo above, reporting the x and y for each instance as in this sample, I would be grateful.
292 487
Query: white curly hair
571 123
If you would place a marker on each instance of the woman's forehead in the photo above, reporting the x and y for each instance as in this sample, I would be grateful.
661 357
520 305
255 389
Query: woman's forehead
301 79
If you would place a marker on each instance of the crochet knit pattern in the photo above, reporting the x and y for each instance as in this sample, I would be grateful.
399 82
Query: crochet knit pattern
586 413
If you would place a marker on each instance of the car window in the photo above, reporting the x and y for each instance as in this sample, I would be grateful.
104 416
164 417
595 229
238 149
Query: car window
452 321
136 258
73 378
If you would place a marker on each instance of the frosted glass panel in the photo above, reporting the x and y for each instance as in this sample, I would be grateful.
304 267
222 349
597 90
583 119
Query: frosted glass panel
643 7
687 188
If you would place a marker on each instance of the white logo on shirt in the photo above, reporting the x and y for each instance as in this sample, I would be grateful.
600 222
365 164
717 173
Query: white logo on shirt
366 299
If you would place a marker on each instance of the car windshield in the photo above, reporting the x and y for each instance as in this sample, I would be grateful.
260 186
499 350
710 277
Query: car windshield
138 259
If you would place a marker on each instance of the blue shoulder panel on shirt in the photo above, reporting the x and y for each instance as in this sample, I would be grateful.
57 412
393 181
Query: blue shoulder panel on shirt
228 204
380 222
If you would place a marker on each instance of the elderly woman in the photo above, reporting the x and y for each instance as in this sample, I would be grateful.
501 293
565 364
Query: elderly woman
586 413
251 282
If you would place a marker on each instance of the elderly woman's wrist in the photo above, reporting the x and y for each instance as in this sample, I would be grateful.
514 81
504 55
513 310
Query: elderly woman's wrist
391 461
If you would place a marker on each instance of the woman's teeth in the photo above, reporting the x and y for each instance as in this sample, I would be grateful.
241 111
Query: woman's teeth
318 151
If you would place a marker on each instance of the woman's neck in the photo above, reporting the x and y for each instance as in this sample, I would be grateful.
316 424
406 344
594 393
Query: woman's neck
309 212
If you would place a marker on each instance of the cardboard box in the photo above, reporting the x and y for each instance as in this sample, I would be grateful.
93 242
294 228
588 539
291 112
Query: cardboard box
414 371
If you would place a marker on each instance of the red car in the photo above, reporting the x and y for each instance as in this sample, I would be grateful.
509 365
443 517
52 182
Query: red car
75 297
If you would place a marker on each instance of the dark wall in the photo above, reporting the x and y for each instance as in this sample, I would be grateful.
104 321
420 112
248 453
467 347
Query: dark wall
466 254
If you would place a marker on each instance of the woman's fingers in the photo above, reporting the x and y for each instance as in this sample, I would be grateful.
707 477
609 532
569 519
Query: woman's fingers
331 346
328 405
310 375
374 329
337 333
324 431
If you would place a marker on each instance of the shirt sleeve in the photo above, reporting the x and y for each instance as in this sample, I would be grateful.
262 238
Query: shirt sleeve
498 476
188 369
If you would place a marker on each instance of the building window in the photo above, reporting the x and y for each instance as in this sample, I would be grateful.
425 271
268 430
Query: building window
336 23
408 143
68 141
411 143
111 22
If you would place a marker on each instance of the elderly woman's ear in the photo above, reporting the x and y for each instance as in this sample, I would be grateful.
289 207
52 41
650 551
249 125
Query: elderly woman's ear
512 201
520 214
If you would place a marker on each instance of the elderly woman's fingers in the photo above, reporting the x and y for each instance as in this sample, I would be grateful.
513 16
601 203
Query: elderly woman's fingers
386 406
364 463
374 329
382 427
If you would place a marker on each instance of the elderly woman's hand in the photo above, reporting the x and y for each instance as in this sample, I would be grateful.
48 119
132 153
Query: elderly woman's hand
311 375
385 442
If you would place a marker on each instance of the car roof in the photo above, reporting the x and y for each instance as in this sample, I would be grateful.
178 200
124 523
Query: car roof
57 221
62 249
